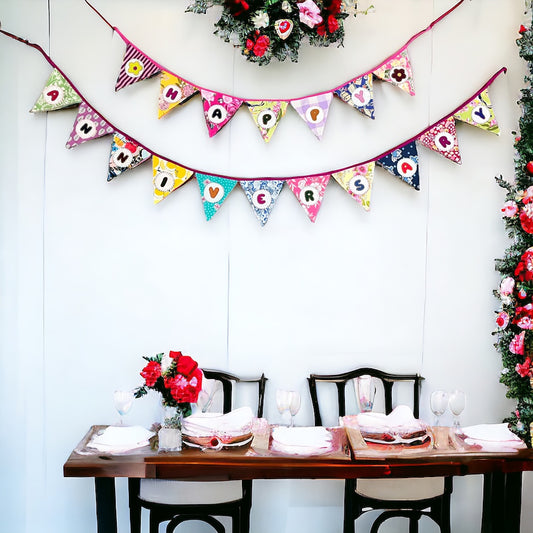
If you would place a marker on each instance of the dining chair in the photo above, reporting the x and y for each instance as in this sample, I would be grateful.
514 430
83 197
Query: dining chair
411 498
182 501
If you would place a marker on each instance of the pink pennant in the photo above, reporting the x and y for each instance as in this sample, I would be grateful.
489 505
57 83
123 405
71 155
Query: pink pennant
310 192
398 72
88 125
442 138
219 109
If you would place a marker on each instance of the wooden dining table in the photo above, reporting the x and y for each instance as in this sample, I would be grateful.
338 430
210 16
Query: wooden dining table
502 470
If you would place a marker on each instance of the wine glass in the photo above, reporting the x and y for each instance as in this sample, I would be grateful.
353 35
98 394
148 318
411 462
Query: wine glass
438 403
123 400
365 391
457 403
294 404
283 401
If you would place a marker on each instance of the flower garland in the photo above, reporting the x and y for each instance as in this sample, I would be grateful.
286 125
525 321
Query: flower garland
268 29
515 316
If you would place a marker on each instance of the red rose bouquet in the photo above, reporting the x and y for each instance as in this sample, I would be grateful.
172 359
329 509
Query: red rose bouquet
175 376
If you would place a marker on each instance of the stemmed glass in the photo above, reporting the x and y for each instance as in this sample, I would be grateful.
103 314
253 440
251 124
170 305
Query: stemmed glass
457 403
365 391
438 403
283 401
294 404
123 400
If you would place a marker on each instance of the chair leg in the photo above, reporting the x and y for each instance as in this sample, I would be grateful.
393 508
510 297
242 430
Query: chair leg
413 523
134 485
349 518
154 522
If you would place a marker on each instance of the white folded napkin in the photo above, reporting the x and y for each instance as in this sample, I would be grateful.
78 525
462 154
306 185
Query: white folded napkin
235 423
301 440
117 439
493 437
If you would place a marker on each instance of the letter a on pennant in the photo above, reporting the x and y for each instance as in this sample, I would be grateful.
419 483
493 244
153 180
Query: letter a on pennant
310 192
57 94
219 109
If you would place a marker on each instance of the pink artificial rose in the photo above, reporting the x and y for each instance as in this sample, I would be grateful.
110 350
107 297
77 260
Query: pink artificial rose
528 195
509 209
517 344
507 286
525 323
309 13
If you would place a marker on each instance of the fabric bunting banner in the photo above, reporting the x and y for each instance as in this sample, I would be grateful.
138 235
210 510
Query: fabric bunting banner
173 91
403 163
87 126
125 154
262 196
214 191
136 66
167 177
310 192
57 94
357 181
358 92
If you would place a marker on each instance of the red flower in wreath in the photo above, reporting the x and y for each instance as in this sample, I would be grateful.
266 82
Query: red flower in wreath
331 26
526 217
257 44
524 269
237 7
524 369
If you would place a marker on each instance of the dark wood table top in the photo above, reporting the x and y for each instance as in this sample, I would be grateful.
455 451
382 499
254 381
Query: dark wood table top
260 461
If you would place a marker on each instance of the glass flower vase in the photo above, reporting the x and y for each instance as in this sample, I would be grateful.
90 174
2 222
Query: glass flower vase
170 432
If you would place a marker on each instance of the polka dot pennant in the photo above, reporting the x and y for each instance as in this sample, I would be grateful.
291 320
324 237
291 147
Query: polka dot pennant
88 125
214 191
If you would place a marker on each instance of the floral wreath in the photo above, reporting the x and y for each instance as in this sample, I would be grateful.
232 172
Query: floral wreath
267 29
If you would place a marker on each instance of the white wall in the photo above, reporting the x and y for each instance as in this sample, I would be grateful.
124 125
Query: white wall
93 276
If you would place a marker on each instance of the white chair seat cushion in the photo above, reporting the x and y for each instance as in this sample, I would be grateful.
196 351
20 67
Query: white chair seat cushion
407 489
172 492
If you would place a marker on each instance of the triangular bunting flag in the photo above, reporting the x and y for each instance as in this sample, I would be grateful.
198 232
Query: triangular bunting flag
266 115
57 94
173 92
262 195
167 177
219 108
314 110
125 154
136 66
214 191
359 94
88 125
479 113
398 72
403 163
443 139
310 191
358 182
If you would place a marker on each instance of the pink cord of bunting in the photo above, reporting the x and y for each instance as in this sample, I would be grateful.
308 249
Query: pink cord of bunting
270 178
392 56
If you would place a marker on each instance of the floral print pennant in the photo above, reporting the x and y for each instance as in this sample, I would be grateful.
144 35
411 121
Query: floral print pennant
398 72
219 109
266 115
359 94
442 138
125 154
403 163
357 181
478 112
173 91
262 194
57 94
167 177
310 192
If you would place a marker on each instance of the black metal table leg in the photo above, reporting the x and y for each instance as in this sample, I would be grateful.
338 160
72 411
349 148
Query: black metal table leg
106 505
502 502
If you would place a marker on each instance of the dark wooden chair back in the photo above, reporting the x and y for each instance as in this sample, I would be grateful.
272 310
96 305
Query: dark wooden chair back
387 379
229 381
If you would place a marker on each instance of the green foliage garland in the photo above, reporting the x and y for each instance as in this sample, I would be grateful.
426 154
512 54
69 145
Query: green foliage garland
515 316
254 25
